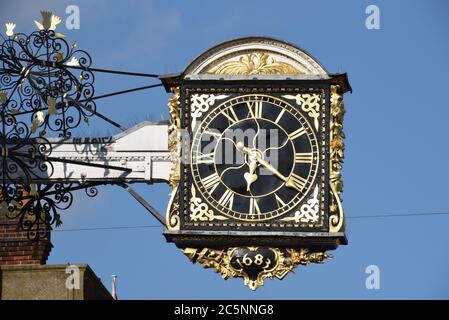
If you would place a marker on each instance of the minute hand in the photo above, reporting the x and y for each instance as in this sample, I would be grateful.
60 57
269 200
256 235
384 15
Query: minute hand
288 182
272 169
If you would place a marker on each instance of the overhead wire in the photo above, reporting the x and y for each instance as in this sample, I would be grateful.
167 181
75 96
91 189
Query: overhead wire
397 215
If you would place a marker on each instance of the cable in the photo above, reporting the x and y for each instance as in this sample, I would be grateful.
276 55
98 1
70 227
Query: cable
95 98
349 217
108 228
5 58
122 92
398 215
126 73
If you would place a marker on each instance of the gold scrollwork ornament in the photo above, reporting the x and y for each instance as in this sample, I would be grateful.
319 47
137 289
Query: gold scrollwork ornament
337 147
174 146
199 210
309 103
201 103
309 211
223 262
174 137
255 63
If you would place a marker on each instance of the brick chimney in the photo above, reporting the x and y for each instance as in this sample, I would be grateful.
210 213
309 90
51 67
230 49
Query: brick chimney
15 247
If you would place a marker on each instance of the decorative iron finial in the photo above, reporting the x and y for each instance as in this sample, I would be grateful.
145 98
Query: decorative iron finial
10 29
49 22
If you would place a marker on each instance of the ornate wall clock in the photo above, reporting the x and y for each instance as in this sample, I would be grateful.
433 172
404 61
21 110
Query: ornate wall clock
253 150
257 142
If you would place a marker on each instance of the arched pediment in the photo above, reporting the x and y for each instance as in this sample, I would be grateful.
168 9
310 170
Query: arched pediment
255 56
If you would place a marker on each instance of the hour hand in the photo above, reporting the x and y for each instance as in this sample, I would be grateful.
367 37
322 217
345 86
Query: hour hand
250 176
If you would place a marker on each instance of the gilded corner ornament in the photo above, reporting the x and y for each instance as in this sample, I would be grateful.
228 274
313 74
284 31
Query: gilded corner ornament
309 103
254 264
199 210
337 147
201 103
309 212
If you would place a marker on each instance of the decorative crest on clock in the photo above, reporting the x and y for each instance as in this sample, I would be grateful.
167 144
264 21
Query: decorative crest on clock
255 63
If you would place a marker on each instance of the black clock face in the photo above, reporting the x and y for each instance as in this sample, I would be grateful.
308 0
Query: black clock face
254 157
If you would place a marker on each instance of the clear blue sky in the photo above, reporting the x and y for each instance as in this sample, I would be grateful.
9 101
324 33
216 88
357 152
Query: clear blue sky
396 148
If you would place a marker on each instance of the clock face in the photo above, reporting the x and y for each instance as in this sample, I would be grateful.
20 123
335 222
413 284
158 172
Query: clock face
254 157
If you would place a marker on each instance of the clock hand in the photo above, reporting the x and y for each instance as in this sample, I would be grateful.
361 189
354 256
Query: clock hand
272 169
288 181
251 176
255 156
241 147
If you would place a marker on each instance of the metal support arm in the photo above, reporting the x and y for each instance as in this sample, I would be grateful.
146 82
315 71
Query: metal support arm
145 204
139 154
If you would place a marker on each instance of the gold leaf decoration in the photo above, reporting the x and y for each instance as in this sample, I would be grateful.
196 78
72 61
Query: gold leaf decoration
336 220
174 140
310 103
223 261
255 63
200 210
49 22
174 145
10 29
3 98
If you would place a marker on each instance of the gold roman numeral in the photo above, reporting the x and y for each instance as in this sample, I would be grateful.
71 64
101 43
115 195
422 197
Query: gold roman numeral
303 157
230 114
207 158
211 182
227 199
297 133
212 133
279 116
253 206
296 182
279 201
255 108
